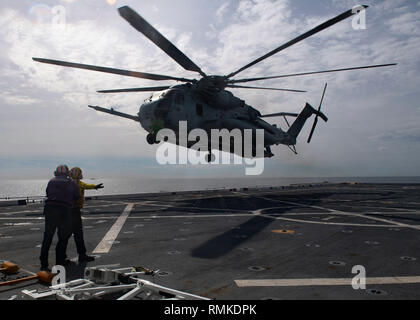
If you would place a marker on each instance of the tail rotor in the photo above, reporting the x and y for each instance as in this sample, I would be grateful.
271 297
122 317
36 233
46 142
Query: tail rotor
318 114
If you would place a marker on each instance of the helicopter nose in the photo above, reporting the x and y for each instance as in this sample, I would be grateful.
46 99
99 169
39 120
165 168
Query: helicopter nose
146 111
156 110
154 114
161 109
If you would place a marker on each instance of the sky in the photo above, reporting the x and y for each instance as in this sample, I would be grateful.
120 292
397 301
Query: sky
374 115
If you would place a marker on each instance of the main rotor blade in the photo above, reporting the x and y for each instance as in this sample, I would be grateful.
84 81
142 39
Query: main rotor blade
279 114
145 89
122 72
322 98
311 32
312 72
150 32
263 88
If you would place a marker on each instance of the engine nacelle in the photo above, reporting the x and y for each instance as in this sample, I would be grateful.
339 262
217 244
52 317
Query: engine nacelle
226 100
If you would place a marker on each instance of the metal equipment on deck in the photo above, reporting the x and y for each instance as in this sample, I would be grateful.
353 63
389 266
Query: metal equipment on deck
119 284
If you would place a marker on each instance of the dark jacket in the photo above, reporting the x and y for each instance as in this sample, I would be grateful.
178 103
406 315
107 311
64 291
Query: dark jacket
62 191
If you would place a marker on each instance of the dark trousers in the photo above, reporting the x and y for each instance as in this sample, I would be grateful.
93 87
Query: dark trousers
78 231
56 218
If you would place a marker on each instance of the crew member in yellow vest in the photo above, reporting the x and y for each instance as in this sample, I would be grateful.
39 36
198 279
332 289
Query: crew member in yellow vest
76 175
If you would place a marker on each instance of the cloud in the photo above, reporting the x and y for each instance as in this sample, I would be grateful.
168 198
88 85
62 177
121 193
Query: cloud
407 134
83 42
221 12
18 99
408 24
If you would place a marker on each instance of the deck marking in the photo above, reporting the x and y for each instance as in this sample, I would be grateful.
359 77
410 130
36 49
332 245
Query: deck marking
237 215
324 282
339 212
105 245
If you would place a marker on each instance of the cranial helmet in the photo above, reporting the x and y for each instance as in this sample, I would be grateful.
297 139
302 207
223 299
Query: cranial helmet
62 170
76 173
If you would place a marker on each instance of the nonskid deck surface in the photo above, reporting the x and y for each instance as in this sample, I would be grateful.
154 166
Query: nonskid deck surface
295 243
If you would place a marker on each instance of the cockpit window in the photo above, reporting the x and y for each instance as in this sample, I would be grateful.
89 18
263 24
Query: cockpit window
165 103
162 108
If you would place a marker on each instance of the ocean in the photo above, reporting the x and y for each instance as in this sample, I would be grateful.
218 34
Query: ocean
36 188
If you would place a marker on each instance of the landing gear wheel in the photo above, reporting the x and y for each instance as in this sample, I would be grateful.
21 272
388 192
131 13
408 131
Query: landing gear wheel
268 153
210 157
151 138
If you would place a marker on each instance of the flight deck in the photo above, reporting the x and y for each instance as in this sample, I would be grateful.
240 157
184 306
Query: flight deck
310 241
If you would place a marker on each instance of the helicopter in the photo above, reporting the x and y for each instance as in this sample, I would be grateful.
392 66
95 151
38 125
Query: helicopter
205 103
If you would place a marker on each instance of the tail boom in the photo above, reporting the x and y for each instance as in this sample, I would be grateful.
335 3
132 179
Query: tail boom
300 121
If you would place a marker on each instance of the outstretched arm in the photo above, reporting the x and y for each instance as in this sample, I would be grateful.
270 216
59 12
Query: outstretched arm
86 186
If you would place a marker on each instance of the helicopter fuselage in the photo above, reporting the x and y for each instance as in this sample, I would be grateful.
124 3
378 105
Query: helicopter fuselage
166 109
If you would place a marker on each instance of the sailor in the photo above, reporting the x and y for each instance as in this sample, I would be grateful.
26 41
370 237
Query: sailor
77 228
62 192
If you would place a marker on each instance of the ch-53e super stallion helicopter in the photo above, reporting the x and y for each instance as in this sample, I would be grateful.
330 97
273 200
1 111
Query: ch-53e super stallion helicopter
204 103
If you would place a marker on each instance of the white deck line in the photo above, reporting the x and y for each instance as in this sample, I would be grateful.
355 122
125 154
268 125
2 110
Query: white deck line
105 245
324 282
